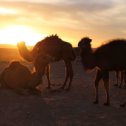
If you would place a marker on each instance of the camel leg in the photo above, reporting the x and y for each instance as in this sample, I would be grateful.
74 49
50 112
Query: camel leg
47 72
123 104
70 75
97 79
124 75
117 78
122 78
67 75
40 70
106 85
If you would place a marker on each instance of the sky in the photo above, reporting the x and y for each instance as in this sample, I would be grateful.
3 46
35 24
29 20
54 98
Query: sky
71 20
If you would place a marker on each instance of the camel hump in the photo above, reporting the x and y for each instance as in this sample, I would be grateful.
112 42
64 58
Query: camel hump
117 46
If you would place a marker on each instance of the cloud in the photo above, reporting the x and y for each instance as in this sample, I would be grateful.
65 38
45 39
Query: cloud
101 18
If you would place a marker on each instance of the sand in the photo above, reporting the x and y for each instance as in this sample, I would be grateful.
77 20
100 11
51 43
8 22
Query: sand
74 108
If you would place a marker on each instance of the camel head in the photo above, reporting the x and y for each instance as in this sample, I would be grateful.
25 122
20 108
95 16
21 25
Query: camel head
85 42
86 53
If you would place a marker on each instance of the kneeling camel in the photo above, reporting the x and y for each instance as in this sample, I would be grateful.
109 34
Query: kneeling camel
18 77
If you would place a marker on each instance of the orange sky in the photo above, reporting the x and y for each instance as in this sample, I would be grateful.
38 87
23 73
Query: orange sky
32 20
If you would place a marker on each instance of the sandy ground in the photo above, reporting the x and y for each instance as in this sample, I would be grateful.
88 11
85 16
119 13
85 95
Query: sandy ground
74 108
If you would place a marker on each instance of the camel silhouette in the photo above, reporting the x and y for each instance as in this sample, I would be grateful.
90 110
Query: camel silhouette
50 49
108 57
18 77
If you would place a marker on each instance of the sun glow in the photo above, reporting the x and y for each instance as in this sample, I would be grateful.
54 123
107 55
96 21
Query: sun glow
14 34
7 11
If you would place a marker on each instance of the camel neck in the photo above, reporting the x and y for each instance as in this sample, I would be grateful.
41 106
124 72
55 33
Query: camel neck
88 59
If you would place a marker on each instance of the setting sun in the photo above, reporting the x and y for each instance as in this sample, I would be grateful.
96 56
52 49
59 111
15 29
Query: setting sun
14 34
7 11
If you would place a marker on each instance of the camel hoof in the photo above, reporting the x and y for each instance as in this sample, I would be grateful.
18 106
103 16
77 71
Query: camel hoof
107 104
95 102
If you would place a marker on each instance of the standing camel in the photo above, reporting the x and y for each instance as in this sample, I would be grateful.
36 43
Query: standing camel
18 78
108 57
50 49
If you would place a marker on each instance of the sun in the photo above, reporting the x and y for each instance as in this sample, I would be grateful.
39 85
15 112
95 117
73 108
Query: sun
15 33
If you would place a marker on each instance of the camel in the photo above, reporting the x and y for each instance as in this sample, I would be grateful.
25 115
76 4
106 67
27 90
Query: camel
18 77
50 49
108 57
